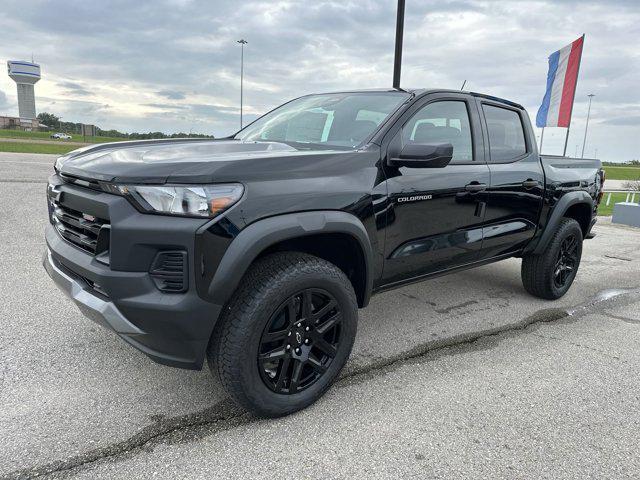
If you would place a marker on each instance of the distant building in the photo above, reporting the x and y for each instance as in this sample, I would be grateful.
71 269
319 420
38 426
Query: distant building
26 75
17 123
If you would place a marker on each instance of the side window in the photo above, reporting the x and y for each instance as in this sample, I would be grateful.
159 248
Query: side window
506 134
442 122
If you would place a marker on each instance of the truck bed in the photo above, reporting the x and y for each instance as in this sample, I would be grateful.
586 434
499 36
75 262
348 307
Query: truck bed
567 171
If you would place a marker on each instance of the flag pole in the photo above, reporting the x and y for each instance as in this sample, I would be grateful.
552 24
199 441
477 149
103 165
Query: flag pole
541 140
566 139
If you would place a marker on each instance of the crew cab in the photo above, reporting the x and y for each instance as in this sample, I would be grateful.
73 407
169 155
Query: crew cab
256 251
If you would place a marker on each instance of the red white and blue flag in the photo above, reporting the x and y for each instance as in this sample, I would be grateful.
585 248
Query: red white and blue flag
562 78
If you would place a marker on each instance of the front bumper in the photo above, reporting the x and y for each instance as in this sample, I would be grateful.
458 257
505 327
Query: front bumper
171 328
92 306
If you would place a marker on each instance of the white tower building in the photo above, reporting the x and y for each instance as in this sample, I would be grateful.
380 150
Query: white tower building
25 74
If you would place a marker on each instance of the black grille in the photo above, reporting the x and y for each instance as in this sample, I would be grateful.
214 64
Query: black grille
169 271
85 231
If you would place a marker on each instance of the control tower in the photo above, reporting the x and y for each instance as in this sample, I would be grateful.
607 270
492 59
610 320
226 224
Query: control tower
25 74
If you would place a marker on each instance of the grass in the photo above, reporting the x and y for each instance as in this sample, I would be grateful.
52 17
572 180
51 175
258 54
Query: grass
27 147
607 210
19 134
623 173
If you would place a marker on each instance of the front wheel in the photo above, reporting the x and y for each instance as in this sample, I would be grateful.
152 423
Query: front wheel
550 274
286 334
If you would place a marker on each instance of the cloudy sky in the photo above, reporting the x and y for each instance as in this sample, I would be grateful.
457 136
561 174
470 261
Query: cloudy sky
173 65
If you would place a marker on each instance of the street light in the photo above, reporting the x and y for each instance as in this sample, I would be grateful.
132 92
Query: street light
242 43
586 127
397 61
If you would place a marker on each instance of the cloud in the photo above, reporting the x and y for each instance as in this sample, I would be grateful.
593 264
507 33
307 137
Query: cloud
165 106
633 121
3 100
172 94
147 63
74 88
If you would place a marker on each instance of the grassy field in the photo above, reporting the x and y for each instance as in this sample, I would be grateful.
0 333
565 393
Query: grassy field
26 147
623 173
46 136
606 210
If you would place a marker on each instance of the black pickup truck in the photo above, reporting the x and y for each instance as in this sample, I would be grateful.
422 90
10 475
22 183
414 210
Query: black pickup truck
256 251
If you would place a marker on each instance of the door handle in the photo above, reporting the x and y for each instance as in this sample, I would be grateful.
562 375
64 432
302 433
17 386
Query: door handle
475 187
528 183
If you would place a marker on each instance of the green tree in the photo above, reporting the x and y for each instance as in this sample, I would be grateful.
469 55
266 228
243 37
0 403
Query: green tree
49 119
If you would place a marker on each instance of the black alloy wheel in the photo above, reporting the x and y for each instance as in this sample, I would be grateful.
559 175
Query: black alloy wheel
300 341
567 261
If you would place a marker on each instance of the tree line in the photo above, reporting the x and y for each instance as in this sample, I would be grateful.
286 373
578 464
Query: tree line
53 121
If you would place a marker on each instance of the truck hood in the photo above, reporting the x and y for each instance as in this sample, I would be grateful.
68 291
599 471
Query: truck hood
182 160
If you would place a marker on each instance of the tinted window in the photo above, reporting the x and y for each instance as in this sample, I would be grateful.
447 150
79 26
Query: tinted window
506 135
442 122
334 120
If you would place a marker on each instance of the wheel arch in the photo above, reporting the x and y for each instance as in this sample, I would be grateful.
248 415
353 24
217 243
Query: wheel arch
577 205
318 233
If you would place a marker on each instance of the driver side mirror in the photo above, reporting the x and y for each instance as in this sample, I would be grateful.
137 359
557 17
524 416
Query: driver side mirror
424 155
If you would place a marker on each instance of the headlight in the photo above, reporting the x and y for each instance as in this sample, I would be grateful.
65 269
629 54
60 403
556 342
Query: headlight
185 200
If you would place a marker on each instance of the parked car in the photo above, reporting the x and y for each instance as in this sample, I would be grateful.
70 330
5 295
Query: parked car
256 251
60 136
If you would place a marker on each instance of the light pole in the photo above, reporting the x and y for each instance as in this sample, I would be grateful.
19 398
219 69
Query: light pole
242 43
586 127
397 61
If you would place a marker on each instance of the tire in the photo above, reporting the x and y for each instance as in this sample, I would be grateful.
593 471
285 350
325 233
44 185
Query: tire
550 274
275 292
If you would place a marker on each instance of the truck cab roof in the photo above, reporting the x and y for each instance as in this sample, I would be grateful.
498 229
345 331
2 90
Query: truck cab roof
418 92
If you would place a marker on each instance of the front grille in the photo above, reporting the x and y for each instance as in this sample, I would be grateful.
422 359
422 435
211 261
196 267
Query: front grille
85 231
169 271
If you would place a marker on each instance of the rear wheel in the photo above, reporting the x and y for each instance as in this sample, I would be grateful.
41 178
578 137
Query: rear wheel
550 274
286 334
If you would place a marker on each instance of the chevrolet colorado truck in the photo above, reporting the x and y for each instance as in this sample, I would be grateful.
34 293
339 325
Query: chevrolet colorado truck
256 251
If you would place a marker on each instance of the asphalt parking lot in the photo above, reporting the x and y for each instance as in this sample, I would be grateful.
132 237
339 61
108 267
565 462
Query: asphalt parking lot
461 376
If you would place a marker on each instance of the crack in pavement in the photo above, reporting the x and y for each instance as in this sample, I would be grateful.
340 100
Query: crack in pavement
225 415
626 259
624 319
579 345
455 307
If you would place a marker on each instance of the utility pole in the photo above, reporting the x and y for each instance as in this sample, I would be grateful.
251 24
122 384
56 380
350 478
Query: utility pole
242 43
397 63
586 127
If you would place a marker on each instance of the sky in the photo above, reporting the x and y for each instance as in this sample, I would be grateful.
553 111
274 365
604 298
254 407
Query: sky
174 65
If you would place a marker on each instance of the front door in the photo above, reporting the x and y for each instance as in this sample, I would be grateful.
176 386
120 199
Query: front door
435 215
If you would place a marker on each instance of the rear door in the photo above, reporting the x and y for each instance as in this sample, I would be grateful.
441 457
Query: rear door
435 215
516 190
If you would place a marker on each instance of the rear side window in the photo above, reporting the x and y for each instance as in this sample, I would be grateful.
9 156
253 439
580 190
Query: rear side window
506 134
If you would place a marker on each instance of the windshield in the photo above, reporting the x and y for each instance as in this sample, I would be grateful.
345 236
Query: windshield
333 120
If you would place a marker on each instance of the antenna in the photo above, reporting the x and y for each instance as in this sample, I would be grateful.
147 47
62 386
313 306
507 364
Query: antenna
463 84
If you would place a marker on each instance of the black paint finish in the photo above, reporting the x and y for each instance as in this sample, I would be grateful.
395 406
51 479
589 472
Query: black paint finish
407 223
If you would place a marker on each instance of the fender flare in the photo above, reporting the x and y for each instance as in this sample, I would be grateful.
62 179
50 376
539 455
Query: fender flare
565 202
260 235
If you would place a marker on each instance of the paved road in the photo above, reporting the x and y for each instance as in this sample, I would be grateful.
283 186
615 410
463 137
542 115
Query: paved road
44 141
547 400
616 185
